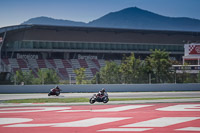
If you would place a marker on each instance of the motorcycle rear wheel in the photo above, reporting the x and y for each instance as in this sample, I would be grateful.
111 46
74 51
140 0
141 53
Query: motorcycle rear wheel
91 101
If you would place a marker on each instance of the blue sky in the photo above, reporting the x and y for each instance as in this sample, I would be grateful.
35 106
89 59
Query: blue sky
13 12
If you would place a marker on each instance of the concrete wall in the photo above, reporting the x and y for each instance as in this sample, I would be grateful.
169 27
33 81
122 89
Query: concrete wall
96 88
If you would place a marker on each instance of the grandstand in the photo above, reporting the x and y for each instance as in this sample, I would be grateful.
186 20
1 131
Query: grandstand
63 49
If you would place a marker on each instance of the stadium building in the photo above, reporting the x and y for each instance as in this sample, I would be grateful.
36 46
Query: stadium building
33 47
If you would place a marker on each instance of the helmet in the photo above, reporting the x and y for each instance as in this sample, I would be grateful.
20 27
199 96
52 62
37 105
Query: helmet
56 86
103 89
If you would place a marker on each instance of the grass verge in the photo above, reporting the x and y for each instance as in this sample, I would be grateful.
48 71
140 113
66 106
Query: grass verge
75 100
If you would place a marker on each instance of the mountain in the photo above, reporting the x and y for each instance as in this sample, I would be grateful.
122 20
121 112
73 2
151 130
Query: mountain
129 18
135 18
51 21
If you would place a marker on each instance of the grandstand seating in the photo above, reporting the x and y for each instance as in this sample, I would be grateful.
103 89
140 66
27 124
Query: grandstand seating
75 63
34 72
64 72
96 62
33 63
6 61
70 72
102 63
25 69
83 63
58 63
41 63
15 69
90 64
65 68
88 73
13 63
66 64
52 63
22 63
94 71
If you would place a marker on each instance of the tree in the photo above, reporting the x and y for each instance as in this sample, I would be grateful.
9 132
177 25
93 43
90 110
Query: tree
148 69
28 77
41 76
25 77
96 79
46 76
131 69
159 64
18 77
51 77
110 73
80 75
198 77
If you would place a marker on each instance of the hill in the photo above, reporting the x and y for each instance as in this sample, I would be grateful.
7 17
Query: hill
51 21
129 18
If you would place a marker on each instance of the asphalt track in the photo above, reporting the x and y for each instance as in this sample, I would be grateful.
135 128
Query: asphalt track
101 118
111 95
152 116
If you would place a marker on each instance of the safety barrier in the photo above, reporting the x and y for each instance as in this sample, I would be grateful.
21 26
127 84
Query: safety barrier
97 87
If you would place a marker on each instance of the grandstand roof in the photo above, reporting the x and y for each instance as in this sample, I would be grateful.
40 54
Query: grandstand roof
94 34
17 27
14 27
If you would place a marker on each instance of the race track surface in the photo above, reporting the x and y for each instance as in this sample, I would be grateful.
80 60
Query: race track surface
101 118
111 95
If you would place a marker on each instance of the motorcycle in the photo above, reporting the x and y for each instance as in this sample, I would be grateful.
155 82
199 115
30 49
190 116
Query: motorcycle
52 92
99 98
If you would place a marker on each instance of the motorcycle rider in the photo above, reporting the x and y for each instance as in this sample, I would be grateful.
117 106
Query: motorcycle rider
102 92
101 96
56 89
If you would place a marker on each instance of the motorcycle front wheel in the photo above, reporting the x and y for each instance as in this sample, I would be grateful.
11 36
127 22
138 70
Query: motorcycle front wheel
105 100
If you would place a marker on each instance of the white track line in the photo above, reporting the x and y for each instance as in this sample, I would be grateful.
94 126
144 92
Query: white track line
162 122
126 129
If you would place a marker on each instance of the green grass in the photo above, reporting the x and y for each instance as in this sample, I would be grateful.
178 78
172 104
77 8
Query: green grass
75 100
49 100
159 98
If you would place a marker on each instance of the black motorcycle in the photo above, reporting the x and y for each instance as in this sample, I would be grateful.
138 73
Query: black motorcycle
99 98
57 93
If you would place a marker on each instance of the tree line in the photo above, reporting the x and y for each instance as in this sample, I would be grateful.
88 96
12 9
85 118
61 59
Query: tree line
156 68
44 76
